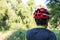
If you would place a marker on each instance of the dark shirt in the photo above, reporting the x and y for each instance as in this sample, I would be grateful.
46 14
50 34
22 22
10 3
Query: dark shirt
40 34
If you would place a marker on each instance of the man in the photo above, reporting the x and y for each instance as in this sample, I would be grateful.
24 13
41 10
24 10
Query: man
40 32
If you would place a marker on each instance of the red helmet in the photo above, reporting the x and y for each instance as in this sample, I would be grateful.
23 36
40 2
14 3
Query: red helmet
41 13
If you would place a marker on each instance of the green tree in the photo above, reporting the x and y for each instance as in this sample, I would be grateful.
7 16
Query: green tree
55 13
14 14
3 15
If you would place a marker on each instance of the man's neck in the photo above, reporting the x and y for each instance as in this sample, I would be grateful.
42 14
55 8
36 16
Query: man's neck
40 26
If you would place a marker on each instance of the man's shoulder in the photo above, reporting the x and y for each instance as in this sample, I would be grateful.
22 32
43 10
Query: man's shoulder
49 31
40 29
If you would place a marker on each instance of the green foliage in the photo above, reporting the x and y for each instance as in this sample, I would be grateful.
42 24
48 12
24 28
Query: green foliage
55 13
30 3
18 35
3 16
57 33
15 14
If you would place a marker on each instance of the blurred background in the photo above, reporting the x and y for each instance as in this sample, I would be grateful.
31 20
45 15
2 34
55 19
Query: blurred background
16 17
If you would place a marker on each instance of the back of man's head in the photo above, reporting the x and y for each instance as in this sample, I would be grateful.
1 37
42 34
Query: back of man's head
41 16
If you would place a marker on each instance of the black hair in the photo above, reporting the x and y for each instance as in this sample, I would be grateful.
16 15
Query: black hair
41 21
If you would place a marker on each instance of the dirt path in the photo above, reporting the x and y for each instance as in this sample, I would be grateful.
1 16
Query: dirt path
4 36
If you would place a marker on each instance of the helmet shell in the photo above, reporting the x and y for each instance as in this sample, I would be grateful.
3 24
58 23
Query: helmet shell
41 13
